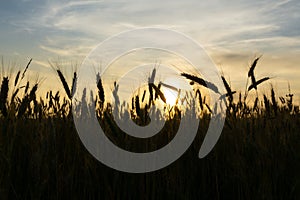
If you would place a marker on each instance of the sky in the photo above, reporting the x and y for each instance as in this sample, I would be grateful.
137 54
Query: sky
231 32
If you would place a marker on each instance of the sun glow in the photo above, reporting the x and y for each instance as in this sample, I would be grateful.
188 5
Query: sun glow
171 96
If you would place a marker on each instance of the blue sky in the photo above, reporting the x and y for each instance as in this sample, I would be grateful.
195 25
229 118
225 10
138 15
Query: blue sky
232 32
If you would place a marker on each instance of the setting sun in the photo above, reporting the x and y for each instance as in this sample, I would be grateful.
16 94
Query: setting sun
170 96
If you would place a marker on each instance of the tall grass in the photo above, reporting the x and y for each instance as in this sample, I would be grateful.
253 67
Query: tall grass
42 157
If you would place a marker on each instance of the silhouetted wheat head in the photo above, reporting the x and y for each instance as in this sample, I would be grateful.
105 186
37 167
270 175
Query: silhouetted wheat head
201 82
3 96
100 90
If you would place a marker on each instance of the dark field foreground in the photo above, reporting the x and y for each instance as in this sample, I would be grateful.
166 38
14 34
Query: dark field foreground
257 158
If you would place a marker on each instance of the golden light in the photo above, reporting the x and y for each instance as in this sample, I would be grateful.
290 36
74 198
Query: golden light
171 96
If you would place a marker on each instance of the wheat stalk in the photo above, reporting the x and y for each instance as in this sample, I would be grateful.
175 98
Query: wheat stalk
255 106
274 103
251 70
74 83
137 105
150 93
100 88
158 92
26 68
65 84
256 83
267 105
200 98
32 94
201 81
17 78
144 94
228 89
3 95
132 103
26 87
14 95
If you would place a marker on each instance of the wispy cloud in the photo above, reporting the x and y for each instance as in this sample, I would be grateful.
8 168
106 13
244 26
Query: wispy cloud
210 22
41 63
67 51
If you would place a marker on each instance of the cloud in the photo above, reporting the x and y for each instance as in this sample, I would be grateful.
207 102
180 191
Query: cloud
213 22
279 4
41 63
67 51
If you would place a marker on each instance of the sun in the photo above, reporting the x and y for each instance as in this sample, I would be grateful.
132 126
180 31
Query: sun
171 96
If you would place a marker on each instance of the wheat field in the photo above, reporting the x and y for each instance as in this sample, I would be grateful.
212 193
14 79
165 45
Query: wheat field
42 157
